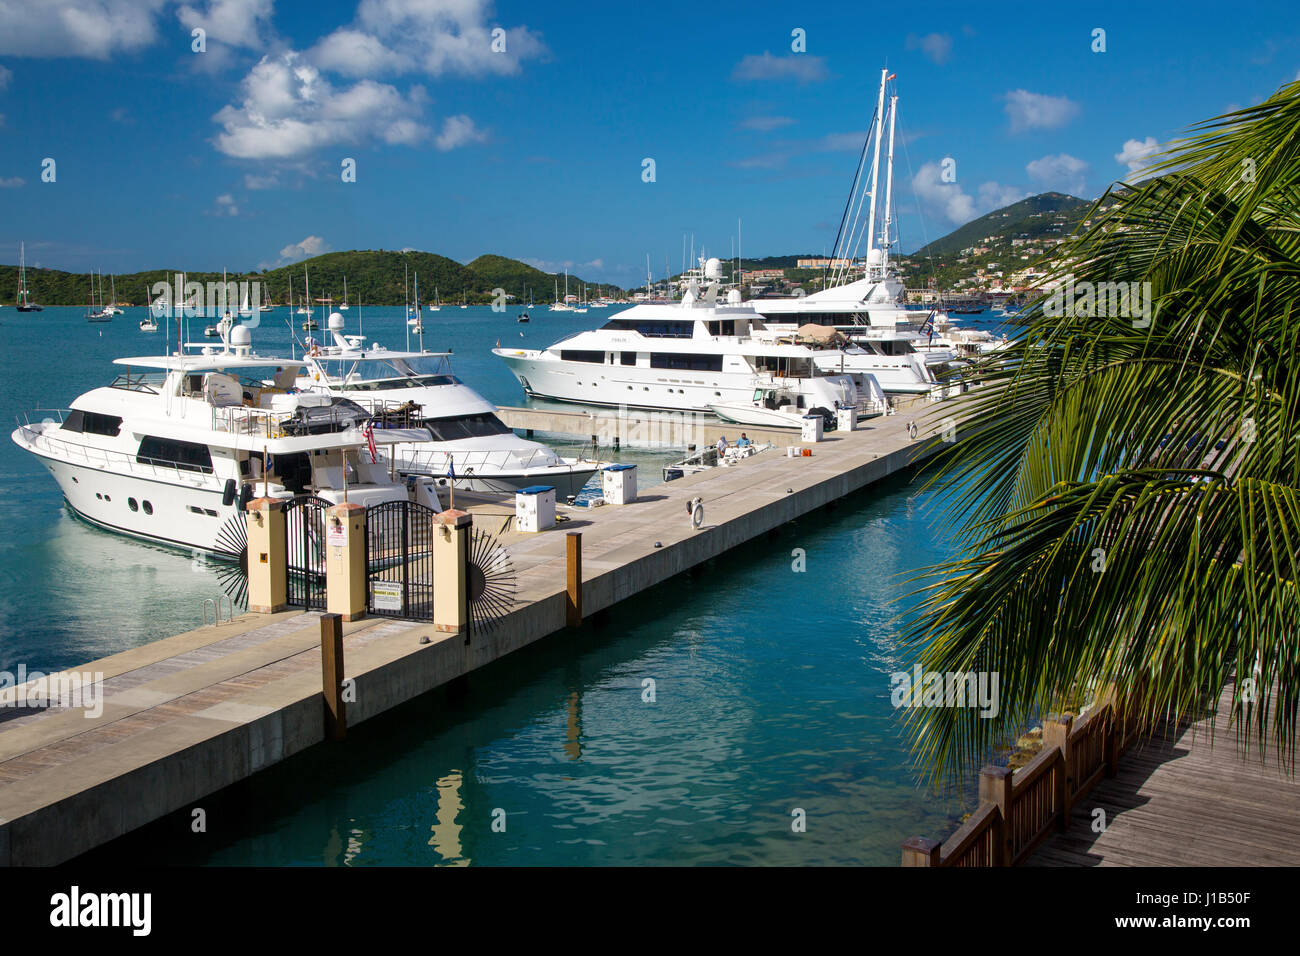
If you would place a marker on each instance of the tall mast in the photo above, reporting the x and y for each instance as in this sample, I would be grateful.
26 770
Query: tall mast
889 192
875 165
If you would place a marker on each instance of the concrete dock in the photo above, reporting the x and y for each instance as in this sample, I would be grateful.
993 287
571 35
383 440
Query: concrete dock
186 716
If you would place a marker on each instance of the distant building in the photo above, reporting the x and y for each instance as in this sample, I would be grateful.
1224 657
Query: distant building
823 263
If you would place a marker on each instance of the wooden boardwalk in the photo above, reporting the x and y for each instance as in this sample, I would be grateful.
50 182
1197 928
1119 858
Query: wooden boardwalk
1178 801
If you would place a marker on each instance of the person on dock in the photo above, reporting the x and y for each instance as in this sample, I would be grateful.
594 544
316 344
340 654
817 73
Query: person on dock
722 445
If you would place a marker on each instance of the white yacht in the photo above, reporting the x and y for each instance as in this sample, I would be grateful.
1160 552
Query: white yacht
867 311
177 444
689 355
469 443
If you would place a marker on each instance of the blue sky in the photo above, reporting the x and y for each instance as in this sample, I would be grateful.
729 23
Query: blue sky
232 157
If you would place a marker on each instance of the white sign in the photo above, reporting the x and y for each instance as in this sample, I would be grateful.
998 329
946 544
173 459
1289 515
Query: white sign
386 595
336 535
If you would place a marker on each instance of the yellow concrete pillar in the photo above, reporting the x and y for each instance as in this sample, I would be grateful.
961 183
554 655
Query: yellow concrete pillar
450 561
345 561
268 583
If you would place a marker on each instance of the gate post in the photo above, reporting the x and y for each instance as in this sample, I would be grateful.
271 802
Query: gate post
345 561
450 548
268 579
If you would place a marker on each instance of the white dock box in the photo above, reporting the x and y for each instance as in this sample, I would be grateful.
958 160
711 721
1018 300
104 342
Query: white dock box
846 419
535 508
618 484
812 428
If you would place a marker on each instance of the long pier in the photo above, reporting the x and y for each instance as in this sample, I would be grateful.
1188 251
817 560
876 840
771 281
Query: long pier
189 715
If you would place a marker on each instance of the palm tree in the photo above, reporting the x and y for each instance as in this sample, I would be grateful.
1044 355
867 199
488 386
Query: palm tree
1129 495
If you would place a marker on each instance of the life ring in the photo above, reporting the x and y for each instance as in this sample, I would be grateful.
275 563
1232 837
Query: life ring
911 430
695 508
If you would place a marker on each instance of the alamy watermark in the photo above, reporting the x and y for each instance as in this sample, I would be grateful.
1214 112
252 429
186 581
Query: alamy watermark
1112 300
39 690
975 689
192 300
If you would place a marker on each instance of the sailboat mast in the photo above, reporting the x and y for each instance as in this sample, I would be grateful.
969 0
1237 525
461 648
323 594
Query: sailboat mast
889 192
875 165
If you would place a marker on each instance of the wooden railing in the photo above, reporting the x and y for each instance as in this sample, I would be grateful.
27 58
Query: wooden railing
1019 809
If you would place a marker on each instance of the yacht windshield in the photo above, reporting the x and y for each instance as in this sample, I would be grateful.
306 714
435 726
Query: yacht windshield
466 426
370 374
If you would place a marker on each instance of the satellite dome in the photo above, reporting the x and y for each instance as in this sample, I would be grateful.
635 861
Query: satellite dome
336 322
240 335
713 268
875 257
733 297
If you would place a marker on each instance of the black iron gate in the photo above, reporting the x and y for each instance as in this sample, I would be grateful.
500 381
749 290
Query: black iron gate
304 521
399 560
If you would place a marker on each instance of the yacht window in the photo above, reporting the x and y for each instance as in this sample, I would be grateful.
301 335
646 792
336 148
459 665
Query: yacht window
581 355
652 328
377 374
185 455
466 426
628 358
723 327
140 381
92 423
687 361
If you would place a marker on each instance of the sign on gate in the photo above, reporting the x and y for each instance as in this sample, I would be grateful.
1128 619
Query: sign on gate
386 595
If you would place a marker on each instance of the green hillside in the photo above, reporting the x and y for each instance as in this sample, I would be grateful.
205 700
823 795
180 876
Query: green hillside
374 277
1042 216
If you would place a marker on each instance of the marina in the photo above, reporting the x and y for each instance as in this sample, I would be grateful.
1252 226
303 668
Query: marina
900 475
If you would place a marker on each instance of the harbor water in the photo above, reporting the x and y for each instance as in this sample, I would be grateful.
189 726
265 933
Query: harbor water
736 715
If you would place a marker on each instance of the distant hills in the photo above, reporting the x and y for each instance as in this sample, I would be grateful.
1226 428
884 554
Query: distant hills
374 277
1047 215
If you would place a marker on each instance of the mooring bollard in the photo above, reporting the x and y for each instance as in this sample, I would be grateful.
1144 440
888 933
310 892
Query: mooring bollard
331 675
268 564
573 555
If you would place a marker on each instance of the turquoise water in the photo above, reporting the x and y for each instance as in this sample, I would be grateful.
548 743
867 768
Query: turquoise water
771 686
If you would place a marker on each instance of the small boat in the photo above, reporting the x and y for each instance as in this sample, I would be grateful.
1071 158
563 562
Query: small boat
344 306
523 317
437 302
310 324
93 313
22 302
212 332
148 324
266 308
112 308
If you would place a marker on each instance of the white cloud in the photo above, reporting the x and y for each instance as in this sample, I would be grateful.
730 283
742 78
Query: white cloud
1038 111
843 141
796 66
765 124
952 202
5 76
255 181
459 131
289 108
1136 152
937 47
83 28
434 37
226 205
236 23
1062 172
12 183
305 249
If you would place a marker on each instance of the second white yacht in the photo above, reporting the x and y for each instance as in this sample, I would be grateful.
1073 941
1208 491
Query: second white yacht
469 443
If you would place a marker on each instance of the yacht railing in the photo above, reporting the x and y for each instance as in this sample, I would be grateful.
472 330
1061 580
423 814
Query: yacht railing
109 459
468 463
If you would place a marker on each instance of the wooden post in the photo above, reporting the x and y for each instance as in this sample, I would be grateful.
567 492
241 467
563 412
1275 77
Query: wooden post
573 604
1056 733
331 667
1113 736
918 851
995 788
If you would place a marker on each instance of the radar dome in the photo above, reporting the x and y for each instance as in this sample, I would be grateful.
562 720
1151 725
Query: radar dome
713 269
336 322
733 297
875 257
240 335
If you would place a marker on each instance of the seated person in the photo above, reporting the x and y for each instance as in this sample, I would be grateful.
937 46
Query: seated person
722 444
744 441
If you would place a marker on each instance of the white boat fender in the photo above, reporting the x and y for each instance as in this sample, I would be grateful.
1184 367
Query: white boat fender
911 430
695 508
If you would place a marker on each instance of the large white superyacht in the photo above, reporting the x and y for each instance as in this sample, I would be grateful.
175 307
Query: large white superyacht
176 445
467 443
689 355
